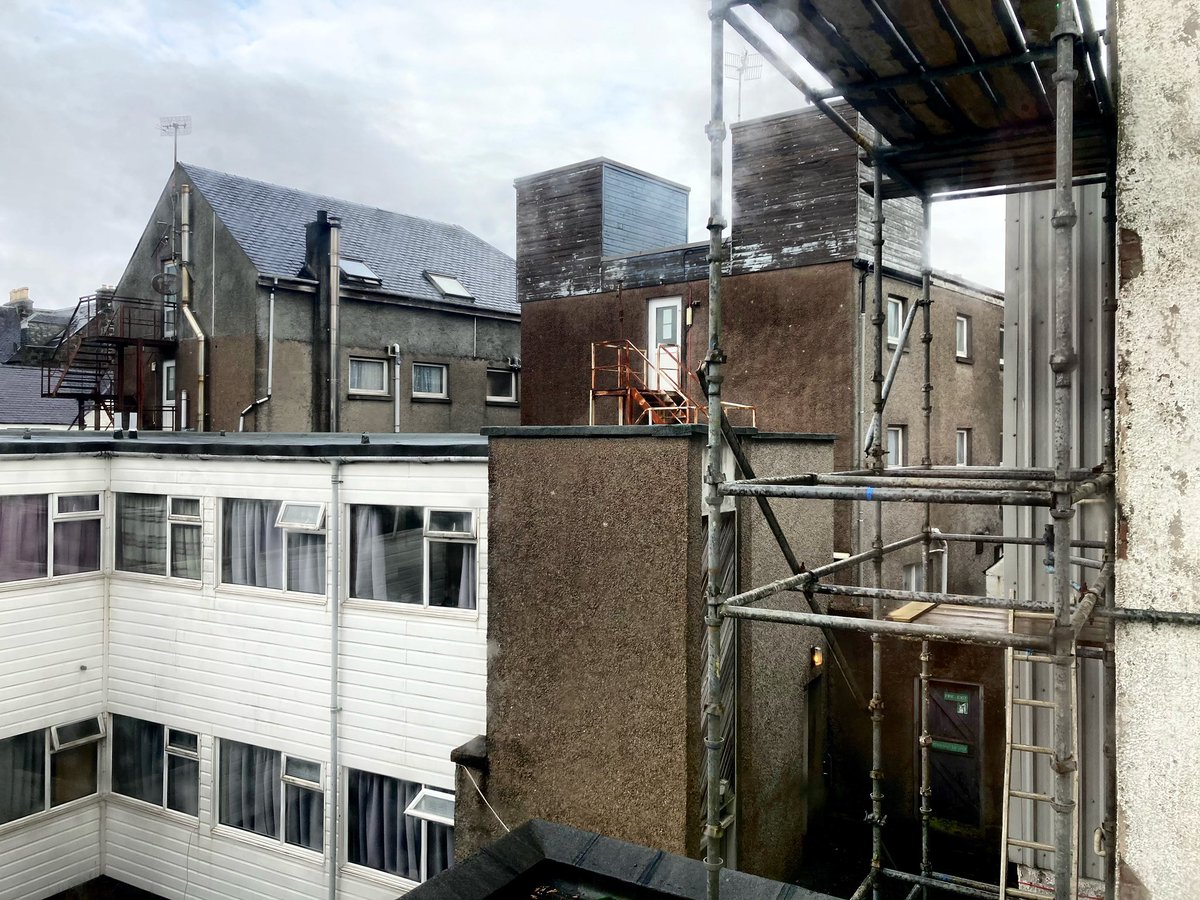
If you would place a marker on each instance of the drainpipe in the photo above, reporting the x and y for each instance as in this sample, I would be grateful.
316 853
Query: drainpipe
394 353
185 229
270 361
335 541
335 290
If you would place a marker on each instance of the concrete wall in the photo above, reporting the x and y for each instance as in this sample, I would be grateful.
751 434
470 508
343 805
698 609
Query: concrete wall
1158 669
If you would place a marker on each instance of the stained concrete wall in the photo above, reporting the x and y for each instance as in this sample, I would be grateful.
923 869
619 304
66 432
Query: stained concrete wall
1158 668
595 627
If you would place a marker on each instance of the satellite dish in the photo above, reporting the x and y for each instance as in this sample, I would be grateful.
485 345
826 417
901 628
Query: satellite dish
166 283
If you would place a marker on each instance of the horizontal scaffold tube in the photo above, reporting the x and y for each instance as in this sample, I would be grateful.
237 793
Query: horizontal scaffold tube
942 884
976 472
899 481
903 630
888 494
1009 539
794 582
902 596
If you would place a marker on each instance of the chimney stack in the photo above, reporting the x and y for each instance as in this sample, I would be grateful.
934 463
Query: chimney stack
18 298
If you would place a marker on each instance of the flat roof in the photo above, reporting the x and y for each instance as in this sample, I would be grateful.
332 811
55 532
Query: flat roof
313 445
633 431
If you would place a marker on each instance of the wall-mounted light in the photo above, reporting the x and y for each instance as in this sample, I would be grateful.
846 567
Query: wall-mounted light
817 655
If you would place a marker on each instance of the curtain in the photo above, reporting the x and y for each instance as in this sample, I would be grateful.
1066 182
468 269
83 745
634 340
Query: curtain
368 579
379 835
252 550
440 854
249 796
76 546
137 759
23 545
386 553
185 551
183 784
142 533
305 817
452 574
22 775
305 562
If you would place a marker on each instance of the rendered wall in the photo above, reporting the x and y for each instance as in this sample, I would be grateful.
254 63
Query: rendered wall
1158 331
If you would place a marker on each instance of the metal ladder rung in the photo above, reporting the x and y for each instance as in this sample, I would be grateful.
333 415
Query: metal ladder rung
1030 845
1040 704
1033 748
1027 895
1030 795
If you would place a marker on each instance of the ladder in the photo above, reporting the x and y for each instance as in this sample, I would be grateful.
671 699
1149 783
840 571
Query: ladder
1032 705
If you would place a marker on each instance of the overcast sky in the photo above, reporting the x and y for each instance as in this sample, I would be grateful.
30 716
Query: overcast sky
427 108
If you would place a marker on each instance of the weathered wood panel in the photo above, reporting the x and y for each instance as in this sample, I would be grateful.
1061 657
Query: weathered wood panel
641 212
559 231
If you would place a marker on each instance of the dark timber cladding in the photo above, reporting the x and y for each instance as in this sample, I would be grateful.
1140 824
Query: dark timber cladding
961 90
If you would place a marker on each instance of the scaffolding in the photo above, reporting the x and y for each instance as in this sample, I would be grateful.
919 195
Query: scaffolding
929 142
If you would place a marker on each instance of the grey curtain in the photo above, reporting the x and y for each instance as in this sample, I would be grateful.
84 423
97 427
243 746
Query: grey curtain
440 855
305 817
76 546
305 562
249 795
142 533
23 544
185 551
22 775
379 835
183 784
252 552
452 575
137 759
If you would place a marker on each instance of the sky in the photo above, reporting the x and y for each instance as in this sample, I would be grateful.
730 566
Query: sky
425 108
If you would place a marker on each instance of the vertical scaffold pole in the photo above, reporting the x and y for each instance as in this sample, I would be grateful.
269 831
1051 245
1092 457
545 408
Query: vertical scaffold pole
1062 364
877 449
716 224
1108 400
926 558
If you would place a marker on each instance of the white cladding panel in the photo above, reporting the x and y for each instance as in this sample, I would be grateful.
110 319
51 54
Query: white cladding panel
50 853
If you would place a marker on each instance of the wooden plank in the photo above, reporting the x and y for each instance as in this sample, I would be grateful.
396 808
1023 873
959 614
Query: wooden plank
910 611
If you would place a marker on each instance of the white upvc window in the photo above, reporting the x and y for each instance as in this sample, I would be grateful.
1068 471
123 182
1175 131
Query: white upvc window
501 386
399 827
962 337
171 301
914 578
429 381
962 447
273 544
75 542
896 311
158 534
270 793
896 445
156 764
368 377
1002 348
412 554
49 767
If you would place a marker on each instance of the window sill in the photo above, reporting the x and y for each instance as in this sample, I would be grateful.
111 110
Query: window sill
194 584
251 592
966 360
269 843
46 815
376 876
368 395
514 404
412 609
192 823
416 399
48 580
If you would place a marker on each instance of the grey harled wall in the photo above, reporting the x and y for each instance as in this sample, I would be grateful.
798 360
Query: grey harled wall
1158 442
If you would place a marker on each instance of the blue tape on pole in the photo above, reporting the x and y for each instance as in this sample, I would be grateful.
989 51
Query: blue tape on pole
870 493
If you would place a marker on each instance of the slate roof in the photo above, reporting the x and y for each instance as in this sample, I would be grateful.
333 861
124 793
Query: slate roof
22 403
268 222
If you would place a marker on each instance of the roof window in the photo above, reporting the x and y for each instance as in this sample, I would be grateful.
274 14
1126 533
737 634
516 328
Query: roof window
449 286
358 270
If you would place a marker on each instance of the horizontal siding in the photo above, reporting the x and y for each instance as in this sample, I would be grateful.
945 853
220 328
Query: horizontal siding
50 854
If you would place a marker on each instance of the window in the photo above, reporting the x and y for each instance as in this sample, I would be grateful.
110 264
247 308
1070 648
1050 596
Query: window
156 764
23 537
357 270
170 301
914 578
501 385
448 286
429 381
76 545
154 530
962 447
895 319
68 752
399 827
1002 348
896 445
270 793
266 543
409 554
962 337
168 394
368 376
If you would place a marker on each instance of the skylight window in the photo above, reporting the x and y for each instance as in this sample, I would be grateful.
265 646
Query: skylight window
356 268
449 286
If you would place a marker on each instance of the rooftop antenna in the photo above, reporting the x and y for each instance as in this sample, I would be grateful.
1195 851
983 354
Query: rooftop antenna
175 126
744 66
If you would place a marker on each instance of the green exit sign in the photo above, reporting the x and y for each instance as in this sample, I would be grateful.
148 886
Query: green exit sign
956 696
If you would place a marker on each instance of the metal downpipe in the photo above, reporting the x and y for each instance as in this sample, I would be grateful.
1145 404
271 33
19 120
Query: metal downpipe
713 739
926 790
335 607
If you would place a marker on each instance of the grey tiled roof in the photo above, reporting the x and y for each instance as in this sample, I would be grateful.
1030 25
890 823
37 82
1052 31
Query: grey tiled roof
268 222
22 403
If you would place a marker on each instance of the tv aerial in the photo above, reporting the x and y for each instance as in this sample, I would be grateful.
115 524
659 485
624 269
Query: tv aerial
173 127
744 66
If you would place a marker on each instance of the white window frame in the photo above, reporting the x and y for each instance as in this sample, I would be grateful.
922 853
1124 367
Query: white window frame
962 336
57 743
425 818
168 397
962 446
913 576
511 397
285 528
901 445
901 305
54 746
282 523
168 752
366 392
430 537
55 516
1002 346
173 518
432 395
449 286
284 780
171 301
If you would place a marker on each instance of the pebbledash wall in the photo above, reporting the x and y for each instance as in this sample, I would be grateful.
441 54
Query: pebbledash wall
228 662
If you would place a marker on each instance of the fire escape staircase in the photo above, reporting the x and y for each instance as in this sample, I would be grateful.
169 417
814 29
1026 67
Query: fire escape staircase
646 393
